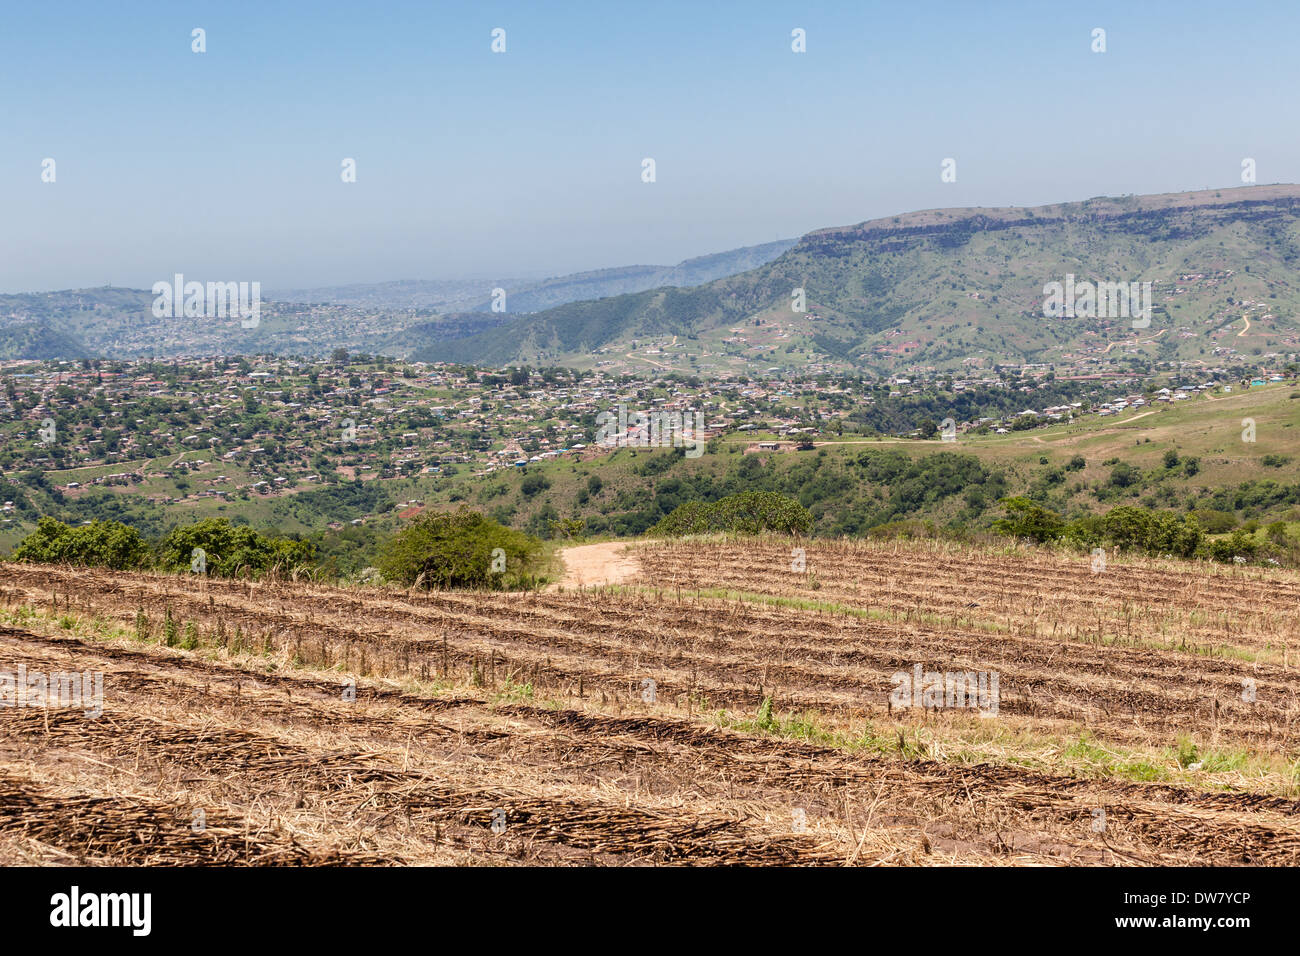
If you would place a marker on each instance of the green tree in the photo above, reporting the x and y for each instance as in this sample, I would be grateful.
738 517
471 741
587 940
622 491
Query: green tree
750 512
1129 529
1027 520
108 544
230 550
533 484
461 549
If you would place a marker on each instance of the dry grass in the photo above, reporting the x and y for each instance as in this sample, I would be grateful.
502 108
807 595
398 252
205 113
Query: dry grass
474 709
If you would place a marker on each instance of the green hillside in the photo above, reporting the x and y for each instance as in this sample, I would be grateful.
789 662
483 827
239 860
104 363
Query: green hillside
947 289
852 486
37 340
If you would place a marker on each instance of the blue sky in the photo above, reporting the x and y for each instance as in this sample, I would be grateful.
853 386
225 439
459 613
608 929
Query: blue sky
225 165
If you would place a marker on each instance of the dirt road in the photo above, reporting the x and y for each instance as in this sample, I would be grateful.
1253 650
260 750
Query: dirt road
593 565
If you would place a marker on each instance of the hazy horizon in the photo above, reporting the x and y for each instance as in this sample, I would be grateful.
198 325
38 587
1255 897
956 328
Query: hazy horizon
528 164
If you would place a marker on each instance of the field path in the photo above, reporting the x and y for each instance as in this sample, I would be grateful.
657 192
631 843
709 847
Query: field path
593 565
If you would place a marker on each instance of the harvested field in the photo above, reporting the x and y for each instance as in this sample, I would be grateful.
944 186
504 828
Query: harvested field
719 708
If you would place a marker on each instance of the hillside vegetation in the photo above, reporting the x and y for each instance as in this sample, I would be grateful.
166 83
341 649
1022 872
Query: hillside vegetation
944 288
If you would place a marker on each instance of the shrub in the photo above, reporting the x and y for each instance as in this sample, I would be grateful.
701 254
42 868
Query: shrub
1215 522
1027 520
1239 544
106 544
533 484
750 512
1172 534
1128 528
1123 475
230 550
455 549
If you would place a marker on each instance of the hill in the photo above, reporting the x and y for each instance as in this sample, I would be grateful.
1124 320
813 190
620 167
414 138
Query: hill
955 288
393 318
532 295
604 283
872 486
457 295
37 340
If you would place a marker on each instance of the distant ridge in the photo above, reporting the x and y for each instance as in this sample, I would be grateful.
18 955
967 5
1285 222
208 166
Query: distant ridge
532 295
955 288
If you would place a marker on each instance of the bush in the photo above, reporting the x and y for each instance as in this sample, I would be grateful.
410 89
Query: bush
1128 528
458 549
534 484
230 550
1172 534
1027 520
750 512
1124 475
1215 522
1087 532
1239 544
107 544
1152 532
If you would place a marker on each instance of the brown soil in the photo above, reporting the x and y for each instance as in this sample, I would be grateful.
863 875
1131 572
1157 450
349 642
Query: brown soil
519 728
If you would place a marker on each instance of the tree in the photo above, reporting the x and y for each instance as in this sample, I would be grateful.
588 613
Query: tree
108 544
460 549
1180 536
229 550
1123 475
1027 520
750 512
534 484
1129 529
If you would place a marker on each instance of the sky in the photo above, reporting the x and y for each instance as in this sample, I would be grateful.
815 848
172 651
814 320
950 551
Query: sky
226 165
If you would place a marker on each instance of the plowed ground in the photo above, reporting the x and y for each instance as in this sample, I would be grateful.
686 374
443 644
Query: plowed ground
508 728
